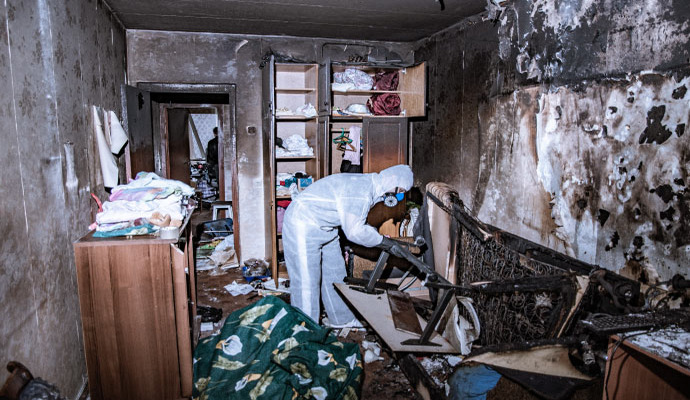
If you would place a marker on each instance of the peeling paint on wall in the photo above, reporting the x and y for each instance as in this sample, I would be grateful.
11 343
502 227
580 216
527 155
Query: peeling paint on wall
571 116
586 169
614 37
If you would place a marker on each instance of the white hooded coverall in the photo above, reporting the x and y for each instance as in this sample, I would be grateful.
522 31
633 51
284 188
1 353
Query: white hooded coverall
310 235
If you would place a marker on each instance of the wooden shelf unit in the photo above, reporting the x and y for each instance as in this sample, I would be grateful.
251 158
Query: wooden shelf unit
291 85
384 138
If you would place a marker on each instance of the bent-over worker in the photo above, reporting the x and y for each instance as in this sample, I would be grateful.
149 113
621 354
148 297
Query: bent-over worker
313 256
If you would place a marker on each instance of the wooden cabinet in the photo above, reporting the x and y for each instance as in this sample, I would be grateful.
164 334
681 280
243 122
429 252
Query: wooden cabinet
290 112
137 299
411 89
633 372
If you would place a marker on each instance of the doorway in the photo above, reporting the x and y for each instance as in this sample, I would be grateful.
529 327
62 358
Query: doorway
170 125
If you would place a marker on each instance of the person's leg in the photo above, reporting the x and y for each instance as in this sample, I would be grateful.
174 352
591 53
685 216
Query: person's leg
303 262
333 271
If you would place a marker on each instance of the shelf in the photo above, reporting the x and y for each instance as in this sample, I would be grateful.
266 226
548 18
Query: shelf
301 158
294 118
360 92
295 90
360 116
288 197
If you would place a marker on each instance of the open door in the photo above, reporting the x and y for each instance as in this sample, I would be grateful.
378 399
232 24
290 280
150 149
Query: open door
268 125
385 145
136 112
178 144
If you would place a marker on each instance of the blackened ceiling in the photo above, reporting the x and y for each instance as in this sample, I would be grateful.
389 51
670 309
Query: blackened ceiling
387 20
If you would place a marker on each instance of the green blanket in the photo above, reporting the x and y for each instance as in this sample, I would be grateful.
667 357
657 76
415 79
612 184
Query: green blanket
270 350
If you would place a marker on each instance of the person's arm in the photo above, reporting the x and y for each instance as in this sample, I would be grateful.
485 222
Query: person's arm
358 231
353 217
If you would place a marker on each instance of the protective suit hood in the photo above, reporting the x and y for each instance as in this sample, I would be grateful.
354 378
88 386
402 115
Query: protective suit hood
396 176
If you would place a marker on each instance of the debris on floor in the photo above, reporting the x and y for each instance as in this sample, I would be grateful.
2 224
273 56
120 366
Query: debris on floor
372 351
237 289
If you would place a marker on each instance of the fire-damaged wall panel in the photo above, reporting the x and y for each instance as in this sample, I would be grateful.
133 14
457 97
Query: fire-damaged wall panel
566 125
57 59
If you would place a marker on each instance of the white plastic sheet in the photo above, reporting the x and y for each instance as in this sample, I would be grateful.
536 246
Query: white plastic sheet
108 163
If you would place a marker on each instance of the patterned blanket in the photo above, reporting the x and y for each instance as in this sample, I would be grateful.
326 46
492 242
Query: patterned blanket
270 350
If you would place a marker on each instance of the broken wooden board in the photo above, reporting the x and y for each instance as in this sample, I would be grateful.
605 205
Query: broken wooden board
404 316
547 360
377 312
582 284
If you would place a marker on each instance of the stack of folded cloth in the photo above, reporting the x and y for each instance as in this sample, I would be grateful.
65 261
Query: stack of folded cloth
143 206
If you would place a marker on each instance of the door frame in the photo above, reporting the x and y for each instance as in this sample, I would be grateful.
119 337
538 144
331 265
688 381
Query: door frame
164 137
227 135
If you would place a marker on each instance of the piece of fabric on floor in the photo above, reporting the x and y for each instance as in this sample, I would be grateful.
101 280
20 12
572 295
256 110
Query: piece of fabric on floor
472 382
271 350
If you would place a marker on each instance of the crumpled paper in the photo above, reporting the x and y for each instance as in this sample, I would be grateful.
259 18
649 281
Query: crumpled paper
372 351
237 289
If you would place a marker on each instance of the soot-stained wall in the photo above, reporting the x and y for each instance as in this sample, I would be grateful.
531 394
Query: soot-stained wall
56 60
179 57
564 122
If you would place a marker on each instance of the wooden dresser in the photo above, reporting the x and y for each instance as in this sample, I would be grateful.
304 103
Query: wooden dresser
138 305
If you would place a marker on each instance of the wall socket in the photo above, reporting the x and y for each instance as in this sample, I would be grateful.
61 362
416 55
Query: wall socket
251 129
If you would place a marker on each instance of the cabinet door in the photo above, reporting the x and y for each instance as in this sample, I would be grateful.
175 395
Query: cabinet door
385 145
269 133
412 89
324 106
137 122
324 147
128 317
181 298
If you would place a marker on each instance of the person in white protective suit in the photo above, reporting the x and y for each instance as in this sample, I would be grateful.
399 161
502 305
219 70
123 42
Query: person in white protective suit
313 256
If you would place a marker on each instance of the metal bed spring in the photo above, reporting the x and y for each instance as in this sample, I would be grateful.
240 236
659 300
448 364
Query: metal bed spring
511 316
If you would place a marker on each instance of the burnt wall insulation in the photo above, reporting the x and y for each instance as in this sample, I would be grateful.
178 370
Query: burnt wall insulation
565 122
179 57
56 60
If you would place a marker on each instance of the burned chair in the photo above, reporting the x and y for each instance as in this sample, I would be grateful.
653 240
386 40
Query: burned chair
524 294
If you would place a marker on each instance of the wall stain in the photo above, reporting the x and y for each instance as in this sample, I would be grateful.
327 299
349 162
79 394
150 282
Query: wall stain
655 130
602 216
668 214
27 102
665 192
613 242
679 92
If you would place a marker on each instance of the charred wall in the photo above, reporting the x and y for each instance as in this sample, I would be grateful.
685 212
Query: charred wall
564 122
179 57
56 60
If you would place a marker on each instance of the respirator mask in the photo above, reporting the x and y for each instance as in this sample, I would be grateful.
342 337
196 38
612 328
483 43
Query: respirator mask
391 199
